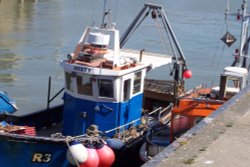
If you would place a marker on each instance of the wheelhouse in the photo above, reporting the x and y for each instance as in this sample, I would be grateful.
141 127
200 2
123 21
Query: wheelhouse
104 84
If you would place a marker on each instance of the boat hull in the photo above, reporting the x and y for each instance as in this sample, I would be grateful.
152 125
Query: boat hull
25 151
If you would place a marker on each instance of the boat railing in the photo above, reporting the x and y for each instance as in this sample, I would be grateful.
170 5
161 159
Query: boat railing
161 113
122 126
49 100
204 100
165 114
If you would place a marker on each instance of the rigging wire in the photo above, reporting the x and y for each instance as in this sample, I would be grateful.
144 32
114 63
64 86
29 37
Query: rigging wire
115 11
158 27
94 12
224 26
164 44
170 40
222 51
217 45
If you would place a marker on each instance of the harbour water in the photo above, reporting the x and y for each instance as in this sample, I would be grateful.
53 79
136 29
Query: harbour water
36 34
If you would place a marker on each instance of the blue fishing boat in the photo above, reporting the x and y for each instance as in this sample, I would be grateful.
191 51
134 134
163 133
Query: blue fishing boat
101 117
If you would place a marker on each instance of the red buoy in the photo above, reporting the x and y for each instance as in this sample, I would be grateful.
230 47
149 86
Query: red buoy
238 17
236 51
106 155
187 74
93 158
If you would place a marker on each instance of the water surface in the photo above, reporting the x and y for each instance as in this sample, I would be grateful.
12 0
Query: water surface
36 34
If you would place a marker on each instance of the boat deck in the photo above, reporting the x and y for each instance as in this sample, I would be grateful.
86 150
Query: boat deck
161 91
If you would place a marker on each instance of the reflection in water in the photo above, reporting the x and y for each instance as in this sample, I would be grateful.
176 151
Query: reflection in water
30 49
7 60
14 17
7 78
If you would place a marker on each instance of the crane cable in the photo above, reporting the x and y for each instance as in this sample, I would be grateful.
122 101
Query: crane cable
164 44
158 27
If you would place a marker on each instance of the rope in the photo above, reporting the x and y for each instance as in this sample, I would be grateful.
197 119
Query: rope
115 12
217 46
165 24
220 57
224 26
164 45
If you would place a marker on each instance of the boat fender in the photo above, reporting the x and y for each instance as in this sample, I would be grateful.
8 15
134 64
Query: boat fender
187 74
93 158
115 144
106 155
76 153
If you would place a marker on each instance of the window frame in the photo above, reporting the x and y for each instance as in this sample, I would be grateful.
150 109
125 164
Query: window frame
140 83
82 89
70 83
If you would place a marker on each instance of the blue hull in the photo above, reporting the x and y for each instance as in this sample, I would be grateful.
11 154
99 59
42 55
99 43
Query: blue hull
17 150
30 151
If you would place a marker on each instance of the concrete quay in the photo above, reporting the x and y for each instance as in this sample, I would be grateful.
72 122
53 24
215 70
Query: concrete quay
220 140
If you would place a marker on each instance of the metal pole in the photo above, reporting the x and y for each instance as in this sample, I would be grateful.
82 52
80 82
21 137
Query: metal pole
48 97
131 26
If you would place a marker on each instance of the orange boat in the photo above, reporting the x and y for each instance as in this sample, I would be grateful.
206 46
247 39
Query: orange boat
201 102
193 106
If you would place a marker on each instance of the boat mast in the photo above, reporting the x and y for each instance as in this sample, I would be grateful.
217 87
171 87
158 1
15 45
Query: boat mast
244 32
242 55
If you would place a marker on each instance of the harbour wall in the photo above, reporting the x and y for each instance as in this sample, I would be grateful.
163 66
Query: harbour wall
221 139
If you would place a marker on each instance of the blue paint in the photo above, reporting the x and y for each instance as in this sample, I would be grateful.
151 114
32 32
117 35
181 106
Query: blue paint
130 110
23 154
79 114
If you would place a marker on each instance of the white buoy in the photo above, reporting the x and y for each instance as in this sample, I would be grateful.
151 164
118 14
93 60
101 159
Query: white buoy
77 153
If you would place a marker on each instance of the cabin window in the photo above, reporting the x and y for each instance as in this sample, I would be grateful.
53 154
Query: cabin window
106 88
234 82
69 81
137 82
126 90
84 85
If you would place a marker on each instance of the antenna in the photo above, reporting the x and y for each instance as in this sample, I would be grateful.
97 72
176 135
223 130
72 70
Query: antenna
228 4
106 12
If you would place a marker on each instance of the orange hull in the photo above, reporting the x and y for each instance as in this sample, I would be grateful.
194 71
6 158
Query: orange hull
196 106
